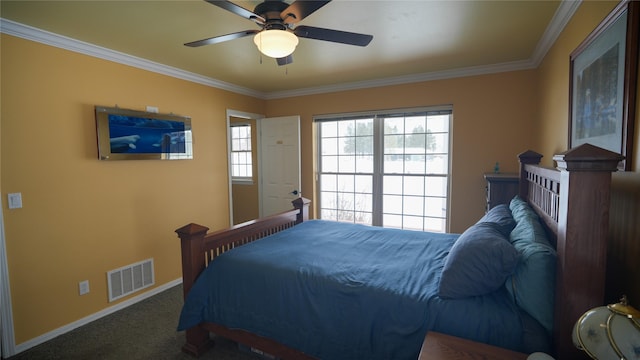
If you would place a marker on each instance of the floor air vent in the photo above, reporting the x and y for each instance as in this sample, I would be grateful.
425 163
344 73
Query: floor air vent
129 279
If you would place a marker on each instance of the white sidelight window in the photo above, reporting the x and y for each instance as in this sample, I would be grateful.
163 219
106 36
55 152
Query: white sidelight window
241 152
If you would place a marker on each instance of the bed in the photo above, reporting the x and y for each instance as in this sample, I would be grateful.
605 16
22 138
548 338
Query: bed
519 278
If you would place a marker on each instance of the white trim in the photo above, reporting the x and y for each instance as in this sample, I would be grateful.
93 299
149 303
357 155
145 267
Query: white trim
63 42
108 311
384 112
406 79
243 115
560 19
243 181
6 313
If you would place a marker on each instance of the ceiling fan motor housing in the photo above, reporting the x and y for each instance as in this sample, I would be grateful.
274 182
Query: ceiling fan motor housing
270 11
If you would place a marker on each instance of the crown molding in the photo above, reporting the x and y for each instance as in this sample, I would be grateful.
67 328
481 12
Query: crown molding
48 38
406 79
560 19
563 14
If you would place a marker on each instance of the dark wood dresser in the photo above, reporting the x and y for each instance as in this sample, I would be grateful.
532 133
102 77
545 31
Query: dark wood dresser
501 188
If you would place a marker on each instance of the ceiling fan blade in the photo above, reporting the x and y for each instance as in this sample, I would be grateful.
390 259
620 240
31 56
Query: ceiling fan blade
300 9
285 60
238 10
222 38
337 36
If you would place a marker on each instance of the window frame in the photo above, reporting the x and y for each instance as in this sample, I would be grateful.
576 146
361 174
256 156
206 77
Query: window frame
236 179
378 173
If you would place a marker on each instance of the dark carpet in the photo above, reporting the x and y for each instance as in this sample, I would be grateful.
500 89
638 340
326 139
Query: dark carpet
144 331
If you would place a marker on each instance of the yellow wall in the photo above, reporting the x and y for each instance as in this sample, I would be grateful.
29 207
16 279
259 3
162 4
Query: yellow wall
623 271
83 217
493 120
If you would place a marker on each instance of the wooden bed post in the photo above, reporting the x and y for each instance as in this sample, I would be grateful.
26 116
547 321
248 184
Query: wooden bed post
193 263
583 223
301 204
528 157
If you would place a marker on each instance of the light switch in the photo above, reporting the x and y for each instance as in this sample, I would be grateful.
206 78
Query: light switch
15 200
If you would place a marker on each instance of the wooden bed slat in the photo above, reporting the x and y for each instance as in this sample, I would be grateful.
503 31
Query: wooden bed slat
543 193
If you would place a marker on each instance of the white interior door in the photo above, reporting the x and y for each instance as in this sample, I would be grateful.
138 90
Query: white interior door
279 160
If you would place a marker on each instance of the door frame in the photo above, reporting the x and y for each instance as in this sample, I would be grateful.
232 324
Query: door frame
241 115
7 339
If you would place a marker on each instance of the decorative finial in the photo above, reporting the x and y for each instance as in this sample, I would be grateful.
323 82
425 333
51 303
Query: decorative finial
623 308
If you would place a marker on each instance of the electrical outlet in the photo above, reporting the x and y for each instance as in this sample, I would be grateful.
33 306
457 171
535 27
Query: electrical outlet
83 287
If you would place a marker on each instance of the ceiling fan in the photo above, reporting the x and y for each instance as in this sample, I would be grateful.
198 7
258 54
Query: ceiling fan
278 36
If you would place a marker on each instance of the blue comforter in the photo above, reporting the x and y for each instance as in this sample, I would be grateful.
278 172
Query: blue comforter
344 291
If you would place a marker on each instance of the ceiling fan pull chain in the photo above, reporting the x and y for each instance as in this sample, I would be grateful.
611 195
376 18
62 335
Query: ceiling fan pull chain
260 52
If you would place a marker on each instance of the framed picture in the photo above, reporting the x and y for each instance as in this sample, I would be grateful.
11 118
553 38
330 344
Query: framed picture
603 77
136 135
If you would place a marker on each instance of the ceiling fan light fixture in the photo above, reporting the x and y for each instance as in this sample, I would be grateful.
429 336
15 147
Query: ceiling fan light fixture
276 43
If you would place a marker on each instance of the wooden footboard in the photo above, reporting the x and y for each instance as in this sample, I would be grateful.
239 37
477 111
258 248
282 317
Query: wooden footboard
199 249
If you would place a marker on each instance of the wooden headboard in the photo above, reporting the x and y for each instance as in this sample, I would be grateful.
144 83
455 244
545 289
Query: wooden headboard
573 202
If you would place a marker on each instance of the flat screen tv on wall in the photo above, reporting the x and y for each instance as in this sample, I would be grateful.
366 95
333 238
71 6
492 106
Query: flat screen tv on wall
138 135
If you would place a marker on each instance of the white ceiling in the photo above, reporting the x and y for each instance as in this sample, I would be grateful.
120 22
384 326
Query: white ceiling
412 40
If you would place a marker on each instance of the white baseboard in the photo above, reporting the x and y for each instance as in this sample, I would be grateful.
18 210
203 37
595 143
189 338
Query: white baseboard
76 324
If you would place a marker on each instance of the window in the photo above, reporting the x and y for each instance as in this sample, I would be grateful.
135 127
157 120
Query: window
387 169
241 153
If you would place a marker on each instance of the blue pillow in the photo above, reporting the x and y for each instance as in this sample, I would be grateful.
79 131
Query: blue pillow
532 285
479 262
501 215
520 208
532 230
